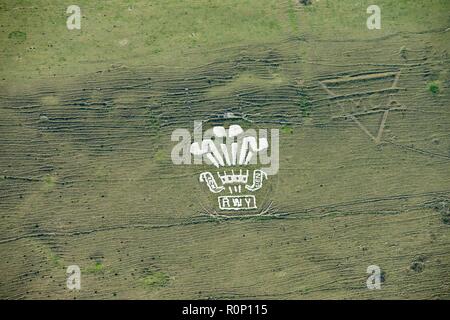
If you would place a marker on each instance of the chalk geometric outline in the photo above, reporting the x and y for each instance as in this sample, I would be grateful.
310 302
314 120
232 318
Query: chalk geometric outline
353 117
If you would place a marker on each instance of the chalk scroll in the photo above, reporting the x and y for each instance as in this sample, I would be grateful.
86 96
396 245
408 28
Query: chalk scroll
258 177
211 182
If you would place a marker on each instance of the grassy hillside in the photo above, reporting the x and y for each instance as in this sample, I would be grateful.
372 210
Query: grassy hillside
87 178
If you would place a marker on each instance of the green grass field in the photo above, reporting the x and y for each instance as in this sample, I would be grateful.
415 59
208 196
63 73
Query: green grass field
85 149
